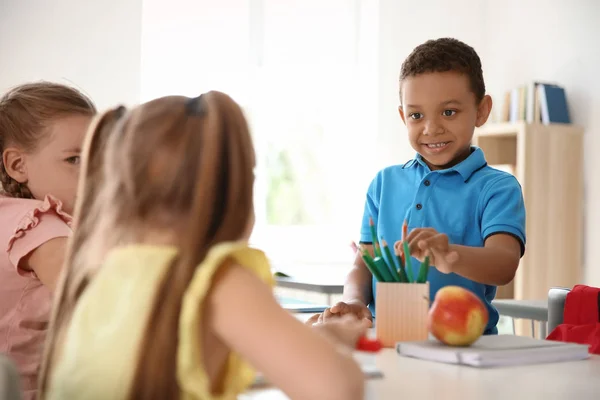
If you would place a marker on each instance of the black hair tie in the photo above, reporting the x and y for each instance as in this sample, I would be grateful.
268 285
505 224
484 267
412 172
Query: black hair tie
195 106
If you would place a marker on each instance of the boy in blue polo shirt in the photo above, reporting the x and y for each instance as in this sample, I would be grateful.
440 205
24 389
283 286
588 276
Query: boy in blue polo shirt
467 216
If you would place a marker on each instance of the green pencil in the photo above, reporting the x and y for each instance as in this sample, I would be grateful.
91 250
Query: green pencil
390 262
371 265
401 270
409 271
423 271
383 269
376 249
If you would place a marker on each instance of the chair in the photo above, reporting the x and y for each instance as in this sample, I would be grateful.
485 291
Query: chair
556 306
547 313
10 387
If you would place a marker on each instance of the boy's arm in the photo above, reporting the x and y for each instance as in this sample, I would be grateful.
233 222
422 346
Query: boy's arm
358 283
495 264
357 287
503 231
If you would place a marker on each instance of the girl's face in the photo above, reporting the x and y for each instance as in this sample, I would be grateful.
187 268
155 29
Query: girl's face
53 168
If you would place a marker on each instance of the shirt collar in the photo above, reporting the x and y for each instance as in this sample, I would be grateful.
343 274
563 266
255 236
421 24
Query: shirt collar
465 168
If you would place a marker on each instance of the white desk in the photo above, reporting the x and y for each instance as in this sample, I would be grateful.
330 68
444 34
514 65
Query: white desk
407 378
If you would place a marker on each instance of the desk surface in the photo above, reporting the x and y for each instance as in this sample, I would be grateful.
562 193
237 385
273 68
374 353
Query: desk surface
416 379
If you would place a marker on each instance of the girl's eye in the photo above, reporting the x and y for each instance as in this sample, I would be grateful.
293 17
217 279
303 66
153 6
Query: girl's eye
75 160
416 116
449 113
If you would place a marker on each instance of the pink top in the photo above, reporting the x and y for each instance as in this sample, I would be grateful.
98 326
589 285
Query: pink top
25 303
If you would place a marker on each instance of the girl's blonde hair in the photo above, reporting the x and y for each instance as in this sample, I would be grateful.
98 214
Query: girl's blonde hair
25 113
176 164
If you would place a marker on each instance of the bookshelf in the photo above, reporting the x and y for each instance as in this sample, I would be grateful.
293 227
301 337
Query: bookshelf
548 162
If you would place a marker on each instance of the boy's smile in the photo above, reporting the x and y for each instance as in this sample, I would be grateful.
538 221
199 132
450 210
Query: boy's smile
441 112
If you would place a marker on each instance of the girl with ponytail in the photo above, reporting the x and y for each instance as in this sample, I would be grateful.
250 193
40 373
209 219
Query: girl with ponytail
162 297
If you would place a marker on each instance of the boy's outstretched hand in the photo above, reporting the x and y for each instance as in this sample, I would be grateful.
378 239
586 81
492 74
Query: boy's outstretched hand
356 309
428 241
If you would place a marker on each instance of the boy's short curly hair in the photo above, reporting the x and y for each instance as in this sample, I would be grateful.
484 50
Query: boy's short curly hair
443 55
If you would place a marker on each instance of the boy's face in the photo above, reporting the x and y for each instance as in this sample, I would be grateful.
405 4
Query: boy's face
441 112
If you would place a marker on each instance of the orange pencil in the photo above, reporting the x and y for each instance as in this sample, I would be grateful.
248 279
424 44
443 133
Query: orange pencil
404 235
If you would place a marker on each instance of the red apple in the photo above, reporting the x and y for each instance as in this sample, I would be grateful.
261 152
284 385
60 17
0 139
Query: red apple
457 316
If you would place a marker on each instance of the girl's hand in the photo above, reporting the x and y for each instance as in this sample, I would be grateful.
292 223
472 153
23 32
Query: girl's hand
355 308
428 241
344 330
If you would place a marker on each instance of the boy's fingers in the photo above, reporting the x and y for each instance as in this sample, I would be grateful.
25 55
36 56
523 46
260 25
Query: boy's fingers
419 231
437 256
452 257
413 244
411 235
327 314
398 248
339 308
313 320
439 241
365 313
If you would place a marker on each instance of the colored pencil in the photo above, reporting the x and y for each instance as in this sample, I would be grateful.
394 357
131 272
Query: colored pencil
423 270
391 264
376 249
383 269
404 235
401 270
371 266
408 265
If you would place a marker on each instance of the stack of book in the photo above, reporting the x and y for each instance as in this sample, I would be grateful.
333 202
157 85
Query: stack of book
536 102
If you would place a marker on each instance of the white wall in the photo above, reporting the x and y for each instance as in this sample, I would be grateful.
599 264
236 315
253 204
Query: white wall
554 40
94 45
403 26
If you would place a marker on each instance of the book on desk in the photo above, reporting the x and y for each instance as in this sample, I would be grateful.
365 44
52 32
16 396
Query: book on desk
495 351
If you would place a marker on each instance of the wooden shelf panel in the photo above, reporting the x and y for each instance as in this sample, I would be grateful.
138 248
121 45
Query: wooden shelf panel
503 129
548 162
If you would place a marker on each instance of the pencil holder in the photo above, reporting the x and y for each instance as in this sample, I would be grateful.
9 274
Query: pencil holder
401 311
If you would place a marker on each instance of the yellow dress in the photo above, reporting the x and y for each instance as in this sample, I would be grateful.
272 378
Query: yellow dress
101 347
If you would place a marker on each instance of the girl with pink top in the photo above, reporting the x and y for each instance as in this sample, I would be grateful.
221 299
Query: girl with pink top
42 127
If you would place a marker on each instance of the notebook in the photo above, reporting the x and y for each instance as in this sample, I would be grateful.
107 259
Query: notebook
496 351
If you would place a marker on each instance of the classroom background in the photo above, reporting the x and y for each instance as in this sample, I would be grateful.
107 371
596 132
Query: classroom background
318 80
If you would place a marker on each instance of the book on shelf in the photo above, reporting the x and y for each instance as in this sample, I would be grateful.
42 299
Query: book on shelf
536 102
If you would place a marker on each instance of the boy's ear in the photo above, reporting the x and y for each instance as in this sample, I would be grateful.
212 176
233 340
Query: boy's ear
483 110
14 163
401 112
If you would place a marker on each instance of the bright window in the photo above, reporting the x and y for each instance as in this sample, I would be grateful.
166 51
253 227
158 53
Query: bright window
305 73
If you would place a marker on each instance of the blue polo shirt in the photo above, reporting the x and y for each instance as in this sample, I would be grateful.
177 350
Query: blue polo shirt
468 202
